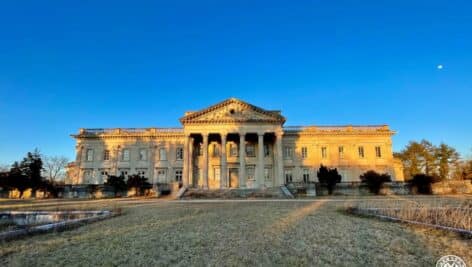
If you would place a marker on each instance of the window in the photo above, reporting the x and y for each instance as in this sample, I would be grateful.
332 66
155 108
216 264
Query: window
142 172
250 170
88 175
306 175
288 176
161 175
106 155
216 172
304 152
143 154
233 150
104 175
250 150
216 151
324 152
162 154
266 150
341 152
89 155
179 153
125 155
267 174
178 176
378 152
123 172
288 152
361 152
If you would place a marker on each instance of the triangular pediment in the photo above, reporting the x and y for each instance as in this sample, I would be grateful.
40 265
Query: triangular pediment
233 110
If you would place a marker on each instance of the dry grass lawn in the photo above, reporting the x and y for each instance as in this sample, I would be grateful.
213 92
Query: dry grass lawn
284 233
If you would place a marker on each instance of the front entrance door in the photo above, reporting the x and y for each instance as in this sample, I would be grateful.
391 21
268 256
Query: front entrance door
233 178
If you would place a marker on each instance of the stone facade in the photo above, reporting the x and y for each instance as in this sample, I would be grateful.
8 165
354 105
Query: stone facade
207 151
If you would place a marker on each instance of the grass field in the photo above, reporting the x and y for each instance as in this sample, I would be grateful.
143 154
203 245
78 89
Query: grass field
268 233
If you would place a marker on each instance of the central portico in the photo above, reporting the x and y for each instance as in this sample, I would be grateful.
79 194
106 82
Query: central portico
233 144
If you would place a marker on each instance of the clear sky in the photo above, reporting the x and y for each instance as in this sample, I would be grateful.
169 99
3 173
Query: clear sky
71 64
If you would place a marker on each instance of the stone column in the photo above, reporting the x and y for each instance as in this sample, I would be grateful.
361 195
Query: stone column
205 161
191 182
152 160
280 160
79 157
242 160
260 160
185 171
223 169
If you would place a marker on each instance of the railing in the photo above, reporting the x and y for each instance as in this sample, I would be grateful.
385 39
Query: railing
337 128
130 130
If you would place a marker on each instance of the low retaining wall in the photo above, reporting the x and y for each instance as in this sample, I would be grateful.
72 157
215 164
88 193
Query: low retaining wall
52 221
88 191
360 189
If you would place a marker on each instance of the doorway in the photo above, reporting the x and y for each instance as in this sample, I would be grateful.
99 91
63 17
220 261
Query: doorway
233 176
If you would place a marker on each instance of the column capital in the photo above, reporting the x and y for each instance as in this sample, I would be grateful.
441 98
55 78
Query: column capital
224 134
279 133
260 133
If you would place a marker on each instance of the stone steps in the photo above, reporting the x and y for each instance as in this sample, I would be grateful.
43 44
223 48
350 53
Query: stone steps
240 193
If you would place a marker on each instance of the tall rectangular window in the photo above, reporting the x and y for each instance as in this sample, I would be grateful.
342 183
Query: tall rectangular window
179 153
266 150
125 155
89 154
304 152
361 152
341 152
288 152
143 154
250 170
250 150
306 175
216 150
178 175
162 154
217 174
161 175
378 152
324 152
233 150
267 174
288 176
106 155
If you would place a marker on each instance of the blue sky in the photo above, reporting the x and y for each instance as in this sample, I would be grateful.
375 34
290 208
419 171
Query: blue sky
71 64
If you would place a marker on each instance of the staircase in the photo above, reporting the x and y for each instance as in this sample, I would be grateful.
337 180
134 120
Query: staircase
286 192
236 193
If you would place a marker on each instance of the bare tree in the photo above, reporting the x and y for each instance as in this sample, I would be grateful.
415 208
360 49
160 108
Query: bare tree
4 168
55 167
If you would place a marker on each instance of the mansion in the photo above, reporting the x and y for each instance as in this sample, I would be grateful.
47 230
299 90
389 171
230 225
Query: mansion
233 144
